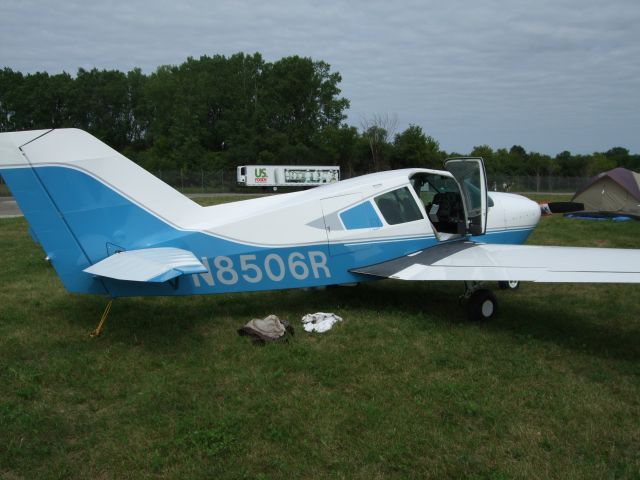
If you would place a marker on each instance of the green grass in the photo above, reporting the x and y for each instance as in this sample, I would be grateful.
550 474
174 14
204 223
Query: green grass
403 388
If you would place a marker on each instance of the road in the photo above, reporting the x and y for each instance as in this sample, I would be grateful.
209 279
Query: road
9 208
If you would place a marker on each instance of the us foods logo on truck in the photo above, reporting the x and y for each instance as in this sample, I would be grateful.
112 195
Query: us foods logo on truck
291 175
261 176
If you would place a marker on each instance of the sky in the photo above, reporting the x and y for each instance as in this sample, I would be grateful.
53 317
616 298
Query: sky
549 75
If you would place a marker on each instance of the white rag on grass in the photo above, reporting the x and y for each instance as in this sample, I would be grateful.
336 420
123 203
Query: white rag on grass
319 322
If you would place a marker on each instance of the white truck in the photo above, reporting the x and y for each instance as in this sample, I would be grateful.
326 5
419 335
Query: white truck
274 176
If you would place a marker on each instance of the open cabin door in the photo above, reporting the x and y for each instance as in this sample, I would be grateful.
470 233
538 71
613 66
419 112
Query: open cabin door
472 179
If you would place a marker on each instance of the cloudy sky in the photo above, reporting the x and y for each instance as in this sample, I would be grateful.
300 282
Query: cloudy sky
547 74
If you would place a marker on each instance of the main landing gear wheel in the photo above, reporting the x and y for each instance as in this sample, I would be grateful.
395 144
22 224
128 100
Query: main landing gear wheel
510 285
482 305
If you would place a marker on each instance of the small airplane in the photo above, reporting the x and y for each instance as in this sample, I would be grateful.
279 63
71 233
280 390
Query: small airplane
111 228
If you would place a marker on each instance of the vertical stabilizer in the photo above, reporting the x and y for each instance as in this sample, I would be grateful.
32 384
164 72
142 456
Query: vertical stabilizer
83 199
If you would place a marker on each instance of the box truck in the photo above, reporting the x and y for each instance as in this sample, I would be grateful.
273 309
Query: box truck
275 176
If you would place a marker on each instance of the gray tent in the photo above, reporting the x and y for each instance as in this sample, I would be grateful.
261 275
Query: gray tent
614 191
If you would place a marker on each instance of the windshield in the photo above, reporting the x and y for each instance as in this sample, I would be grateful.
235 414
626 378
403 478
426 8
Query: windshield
426 185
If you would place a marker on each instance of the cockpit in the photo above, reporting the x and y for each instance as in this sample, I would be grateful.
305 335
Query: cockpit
445 204
442 200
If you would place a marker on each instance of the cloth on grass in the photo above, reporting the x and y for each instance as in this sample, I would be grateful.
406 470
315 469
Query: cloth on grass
267 329
320 321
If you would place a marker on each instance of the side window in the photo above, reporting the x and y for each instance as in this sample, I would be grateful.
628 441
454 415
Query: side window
360 216
398 206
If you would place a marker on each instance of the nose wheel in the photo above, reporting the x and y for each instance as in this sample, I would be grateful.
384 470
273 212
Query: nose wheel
510 285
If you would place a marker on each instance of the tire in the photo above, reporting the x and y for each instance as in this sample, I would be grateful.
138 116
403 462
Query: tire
482 305
510 285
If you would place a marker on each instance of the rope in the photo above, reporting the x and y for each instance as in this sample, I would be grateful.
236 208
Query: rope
105 314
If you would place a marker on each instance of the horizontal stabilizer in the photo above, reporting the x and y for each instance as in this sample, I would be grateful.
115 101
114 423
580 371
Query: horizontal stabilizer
148 265
470 261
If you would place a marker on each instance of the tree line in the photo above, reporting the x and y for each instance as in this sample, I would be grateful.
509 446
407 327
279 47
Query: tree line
218 112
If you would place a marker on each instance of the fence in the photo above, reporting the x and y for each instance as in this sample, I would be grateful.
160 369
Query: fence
219 181
200 181
225 181
522 183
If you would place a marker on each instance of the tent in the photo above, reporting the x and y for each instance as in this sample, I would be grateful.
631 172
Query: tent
613 191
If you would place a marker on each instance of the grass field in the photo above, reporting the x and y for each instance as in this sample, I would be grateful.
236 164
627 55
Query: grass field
403 388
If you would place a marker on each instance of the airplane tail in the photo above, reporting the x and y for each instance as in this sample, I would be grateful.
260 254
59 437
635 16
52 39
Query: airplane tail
84 201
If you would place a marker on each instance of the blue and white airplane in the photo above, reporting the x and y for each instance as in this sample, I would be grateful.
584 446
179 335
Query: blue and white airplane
109 227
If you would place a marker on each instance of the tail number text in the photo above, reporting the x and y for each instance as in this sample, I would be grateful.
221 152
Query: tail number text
225 270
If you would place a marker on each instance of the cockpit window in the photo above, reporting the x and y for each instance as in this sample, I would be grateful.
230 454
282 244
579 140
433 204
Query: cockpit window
427 185
398 206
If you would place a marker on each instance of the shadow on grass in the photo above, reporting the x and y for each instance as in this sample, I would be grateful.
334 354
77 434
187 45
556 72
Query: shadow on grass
604 331
568 329
163 323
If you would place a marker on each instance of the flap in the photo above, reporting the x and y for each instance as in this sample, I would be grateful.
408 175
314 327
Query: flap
470 261
148 265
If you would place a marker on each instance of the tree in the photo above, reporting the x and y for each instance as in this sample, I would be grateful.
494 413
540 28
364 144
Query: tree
139 119
100 105
517 160
571 165
412 148
599 162
10 82
538 164
378 130
221 111
300 97
338 146
486 153
620 157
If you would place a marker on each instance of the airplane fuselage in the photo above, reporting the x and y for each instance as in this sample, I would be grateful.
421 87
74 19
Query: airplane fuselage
297 240
85 202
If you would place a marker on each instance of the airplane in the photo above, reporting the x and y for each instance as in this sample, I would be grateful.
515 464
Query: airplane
111 228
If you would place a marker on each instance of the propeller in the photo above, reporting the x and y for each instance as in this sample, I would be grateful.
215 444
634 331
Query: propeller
561 207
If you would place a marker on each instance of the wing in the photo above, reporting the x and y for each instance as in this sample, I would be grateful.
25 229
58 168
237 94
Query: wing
478 261
148 265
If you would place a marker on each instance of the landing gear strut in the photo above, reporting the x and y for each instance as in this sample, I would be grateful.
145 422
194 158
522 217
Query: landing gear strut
481 302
